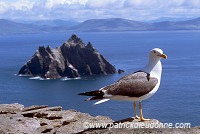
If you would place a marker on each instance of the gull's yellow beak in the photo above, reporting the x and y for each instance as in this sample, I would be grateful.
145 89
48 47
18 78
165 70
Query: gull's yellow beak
163 56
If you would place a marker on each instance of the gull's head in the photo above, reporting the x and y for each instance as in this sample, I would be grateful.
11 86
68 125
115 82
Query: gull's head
157 54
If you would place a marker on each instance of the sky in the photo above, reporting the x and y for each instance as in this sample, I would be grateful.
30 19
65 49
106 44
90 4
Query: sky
81 10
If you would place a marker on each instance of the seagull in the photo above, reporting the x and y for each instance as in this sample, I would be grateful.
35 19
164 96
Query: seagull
134 87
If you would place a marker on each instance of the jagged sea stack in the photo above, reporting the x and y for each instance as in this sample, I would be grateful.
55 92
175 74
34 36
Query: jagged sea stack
72 59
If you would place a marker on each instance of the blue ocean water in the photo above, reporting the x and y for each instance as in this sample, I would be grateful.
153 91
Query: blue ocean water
176 101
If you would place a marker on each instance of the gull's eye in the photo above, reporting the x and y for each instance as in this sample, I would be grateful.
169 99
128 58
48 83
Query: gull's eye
154 51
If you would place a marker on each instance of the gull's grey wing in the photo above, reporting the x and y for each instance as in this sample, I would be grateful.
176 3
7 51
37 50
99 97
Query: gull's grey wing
133 85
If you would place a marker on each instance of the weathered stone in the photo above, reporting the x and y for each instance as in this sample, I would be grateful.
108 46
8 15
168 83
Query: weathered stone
40 114
11 108
18 124
43 124
75 121
72 59
34 107
32 113
53 120
45 129
53 117
144 131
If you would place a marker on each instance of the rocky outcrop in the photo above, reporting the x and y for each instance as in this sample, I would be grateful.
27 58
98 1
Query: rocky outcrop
72 59
43 119
16 119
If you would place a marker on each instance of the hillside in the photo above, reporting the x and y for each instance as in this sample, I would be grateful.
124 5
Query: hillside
95 25
113 24
11 27
118 24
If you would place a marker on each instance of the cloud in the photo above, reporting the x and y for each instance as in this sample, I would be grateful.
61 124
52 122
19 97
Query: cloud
53 3
192 3
88 9
141 4
105 4
3 7
22 5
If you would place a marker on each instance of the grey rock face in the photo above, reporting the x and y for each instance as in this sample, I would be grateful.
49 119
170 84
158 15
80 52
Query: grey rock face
54 120
43 119
72 59
10 108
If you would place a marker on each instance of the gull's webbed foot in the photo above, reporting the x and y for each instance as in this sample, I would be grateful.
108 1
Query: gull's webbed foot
137 117
143 119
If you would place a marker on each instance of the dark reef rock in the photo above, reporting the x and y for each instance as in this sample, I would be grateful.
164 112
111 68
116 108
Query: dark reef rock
120 71
72 59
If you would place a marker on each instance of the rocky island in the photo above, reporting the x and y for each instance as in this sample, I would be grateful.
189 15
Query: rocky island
72 59
40 119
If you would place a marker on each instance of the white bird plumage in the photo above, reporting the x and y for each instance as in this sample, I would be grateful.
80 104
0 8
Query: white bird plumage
134 87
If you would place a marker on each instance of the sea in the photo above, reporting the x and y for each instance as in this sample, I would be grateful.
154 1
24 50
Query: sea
176 101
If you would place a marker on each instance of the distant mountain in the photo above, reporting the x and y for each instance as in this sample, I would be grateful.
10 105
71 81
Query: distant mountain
95 25
118 24
161 19
11 27
56 22
193 24
113 24
14 27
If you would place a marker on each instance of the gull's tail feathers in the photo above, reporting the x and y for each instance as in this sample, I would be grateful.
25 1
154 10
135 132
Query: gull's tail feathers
98 95
93 93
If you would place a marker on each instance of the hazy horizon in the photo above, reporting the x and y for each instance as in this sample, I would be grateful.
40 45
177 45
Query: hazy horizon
161 19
